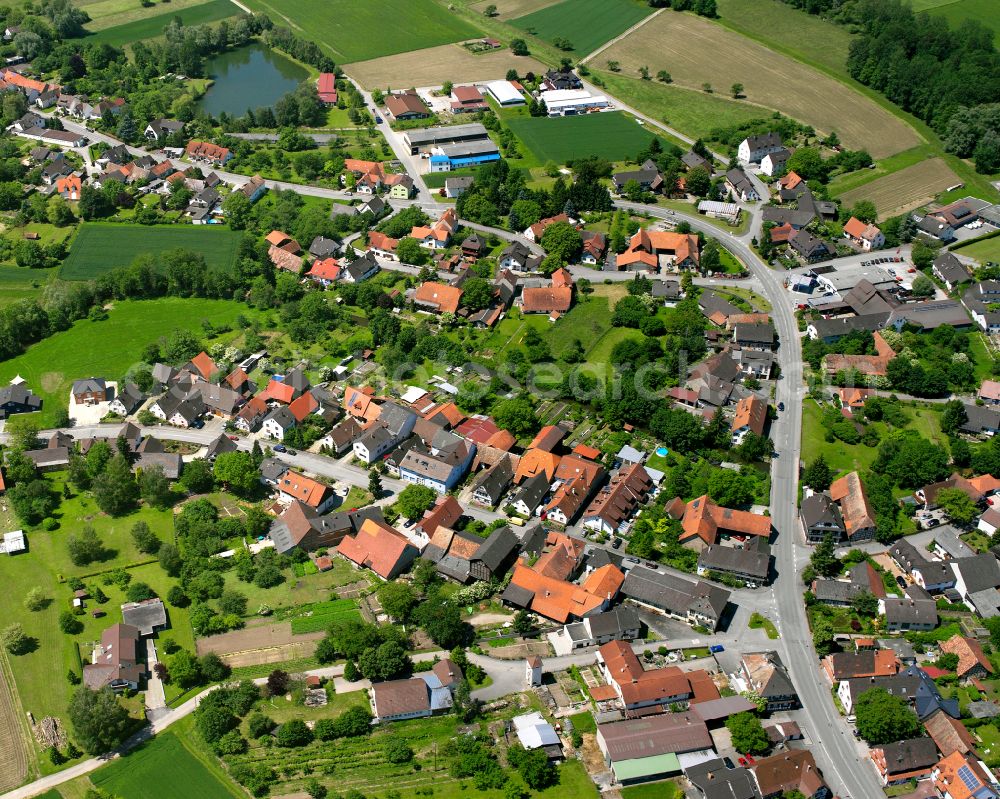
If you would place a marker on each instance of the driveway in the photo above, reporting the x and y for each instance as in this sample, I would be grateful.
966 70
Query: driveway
90 414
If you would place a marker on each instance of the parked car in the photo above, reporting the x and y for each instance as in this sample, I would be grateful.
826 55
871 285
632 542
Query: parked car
716 648
291 452
900 582
781 406
279 448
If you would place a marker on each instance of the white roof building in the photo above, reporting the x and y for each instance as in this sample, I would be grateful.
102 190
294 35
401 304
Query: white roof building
14 542
505 93
534 732
563 101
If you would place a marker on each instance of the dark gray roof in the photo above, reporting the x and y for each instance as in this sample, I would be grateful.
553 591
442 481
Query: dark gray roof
836 328
757 332
494 481
20 395
145 616
716 781
497 548
323 247
130 396
779 684
729 559
222 443
673 593
951 269
614 622
980 419
517 596
820 509
910 755
980 573
765 140
532 490
666 289
282 417
271 469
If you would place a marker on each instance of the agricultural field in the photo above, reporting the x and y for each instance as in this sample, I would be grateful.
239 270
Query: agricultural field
18 283
804 36
906 189
435 65
164 768
150 27
353 31
696 51
958 11
322 614
510 9
109 347
611 135
587 24
102 247
112 13
14 760
692 112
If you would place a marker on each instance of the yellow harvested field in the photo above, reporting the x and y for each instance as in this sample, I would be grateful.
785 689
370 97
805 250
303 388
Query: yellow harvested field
512 9
906 189
435 65
696 51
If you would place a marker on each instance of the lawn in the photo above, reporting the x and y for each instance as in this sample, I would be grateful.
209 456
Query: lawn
41 674
844 457
587 24
152 27
584 722
653 790
611 135
164 768
690 111
357 31
983 251
108 348
697 51
101 247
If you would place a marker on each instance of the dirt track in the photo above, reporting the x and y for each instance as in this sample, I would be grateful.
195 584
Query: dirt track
263 643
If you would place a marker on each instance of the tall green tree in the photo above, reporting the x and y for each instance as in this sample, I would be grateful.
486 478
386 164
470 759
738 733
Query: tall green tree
115 489
100 722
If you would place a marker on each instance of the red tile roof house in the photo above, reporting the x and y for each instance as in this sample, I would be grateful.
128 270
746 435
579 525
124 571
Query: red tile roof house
438 297
618 500
638 688
326 88
284 251
972 661
406 105
467 100
382 245
867 237
208 152
296 486
704 523
115 662
379 548
325 272
438 235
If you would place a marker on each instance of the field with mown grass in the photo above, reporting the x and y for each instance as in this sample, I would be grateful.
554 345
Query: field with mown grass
113 13
151 27
101 247
587 24
958 11
690 111
108 348
612 135
357 31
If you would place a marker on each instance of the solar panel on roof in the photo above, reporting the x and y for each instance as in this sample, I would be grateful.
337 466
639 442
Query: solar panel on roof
971 781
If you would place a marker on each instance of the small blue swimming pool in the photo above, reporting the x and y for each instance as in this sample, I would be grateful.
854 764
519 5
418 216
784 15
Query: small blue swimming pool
662 451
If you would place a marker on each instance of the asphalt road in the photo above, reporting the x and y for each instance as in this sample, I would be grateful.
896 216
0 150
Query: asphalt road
836 752
834 746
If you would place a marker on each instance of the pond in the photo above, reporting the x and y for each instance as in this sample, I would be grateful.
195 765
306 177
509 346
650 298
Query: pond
250 77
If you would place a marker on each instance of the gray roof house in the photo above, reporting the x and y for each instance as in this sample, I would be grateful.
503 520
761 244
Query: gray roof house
951 271
696 602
